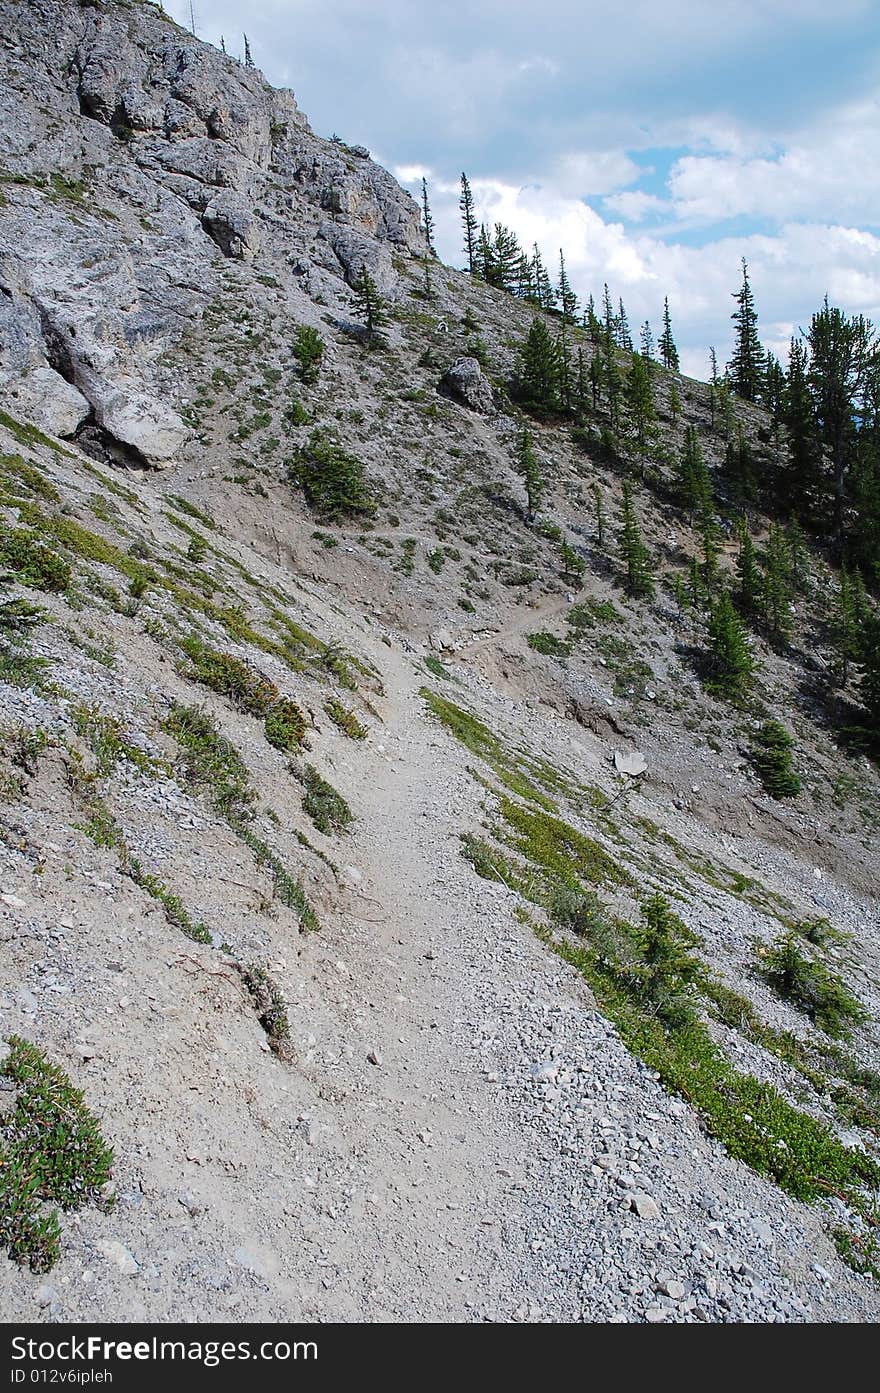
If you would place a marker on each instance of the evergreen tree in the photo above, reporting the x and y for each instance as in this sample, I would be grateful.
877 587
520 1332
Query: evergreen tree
427 219
504 258
624 337
539 377
369 305
608 316
668 350
774 388
731 666
592 323
777 584
640 398
739 468
248 58
526 287
568 301
800 476
646 338
750 597
869 690
543 289
771 756
633 552
713 386
694 480
565 375
842 370
846 631
531 475
747 366
485 256
581 402
573 564
468 223
222 44
611 378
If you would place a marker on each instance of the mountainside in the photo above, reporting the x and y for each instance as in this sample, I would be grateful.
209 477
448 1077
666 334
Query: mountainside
411 910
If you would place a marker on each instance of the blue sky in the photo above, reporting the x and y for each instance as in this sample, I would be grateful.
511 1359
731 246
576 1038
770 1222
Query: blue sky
655 141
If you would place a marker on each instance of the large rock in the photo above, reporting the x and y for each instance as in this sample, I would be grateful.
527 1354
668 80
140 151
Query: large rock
44 398
354 252
465 381
144 425
231 223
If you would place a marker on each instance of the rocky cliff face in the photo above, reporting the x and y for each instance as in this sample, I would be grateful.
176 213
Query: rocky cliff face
134 160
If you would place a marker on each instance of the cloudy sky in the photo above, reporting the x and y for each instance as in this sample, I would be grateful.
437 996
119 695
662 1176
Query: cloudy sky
656 141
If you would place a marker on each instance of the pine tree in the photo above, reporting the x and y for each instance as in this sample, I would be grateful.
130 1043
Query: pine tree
526 288
777 584
750 590
608 316
739 468
222 44
565 374
539 378
544 291
592 323
506 252
568 301
668 350
248 58
771 756
633 552
646 337
694 480
531 475
747 366
846 633
713 386
842 372
869 690
611 378
469 224
573 564
731 666
624 337
369 305
427 219
800 477
485 256
640 398
581 403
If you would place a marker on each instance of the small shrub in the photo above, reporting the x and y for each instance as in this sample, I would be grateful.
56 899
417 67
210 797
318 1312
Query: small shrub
771 756
285 725
51 1151
32 563
810 986
327 808
270 1006
345 720
246 687
548 644
308 350
210 761
333 481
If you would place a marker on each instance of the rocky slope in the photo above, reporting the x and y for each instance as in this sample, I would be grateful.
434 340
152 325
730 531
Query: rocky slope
450 1124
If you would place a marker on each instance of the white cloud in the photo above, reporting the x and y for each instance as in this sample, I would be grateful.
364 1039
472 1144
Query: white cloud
831 169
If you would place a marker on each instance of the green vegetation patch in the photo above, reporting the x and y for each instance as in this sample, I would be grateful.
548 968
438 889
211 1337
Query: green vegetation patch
334 482
345 720
31 562
548 644
476 737
325 806
285 725
51 1153
245 686
810 986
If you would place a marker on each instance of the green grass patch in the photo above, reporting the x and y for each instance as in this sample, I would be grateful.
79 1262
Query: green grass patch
285 725
810 986
476 737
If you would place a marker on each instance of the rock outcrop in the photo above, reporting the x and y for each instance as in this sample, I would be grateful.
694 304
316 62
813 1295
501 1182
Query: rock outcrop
167 159
466 382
